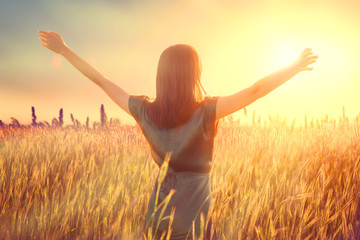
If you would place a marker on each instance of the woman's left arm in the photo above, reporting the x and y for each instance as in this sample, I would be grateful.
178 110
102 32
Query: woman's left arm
55 43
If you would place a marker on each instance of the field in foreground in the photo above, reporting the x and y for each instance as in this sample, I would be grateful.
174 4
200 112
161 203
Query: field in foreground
269 182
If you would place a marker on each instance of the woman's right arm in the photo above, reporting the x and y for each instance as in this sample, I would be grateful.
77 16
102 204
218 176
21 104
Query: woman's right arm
54 42
232 103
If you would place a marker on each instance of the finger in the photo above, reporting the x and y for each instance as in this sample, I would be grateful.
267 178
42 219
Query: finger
306 50
312 57
43 36
308 68
43 32
45 45
43 39
307 54
54 33
311 62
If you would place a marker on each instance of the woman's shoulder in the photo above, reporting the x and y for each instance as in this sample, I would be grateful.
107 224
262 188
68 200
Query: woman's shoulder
210 99
209 116
209 102
136 104
138 98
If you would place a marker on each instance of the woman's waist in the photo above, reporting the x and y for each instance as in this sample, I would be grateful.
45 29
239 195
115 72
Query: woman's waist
199 165
184 178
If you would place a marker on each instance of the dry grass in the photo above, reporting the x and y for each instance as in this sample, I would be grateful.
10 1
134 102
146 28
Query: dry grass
268 182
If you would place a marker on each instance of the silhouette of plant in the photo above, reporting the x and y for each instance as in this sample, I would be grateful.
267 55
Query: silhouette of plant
47 124
61 117
72 119
33 117
15 122
54 123
103 117
87 123
95 124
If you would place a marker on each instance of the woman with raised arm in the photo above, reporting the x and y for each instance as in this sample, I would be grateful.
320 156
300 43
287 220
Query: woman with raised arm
181 120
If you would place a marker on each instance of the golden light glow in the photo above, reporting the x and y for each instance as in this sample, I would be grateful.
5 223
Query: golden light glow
272 37
238 42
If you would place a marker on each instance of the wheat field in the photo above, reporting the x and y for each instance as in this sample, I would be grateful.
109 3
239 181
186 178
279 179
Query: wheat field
269 181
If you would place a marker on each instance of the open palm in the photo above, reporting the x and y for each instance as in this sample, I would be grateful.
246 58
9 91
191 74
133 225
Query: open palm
306 58
52 41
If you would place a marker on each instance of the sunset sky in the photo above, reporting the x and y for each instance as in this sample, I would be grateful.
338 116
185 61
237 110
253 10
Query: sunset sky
238 43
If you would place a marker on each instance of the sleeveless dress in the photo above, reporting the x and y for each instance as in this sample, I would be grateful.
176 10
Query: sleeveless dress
191 147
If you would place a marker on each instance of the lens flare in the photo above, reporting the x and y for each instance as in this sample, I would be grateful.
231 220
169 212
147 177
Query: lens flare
56 61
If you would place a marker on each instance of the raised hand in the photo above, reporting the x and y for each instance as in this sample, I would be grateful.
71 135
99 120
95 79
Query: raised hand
306 58
55 43
52 41
229 104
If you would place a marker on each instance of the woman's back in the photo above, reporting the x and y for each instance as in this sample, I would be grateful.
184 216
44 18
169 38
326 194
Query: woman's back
191 147
191 143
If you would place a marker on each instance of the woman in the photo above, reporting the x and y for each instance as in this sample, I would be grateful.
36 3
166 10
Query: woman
180 126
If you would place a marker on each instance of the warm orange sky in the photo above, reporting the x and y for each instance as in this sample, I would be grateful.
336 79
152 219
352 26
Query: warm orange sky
238 42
